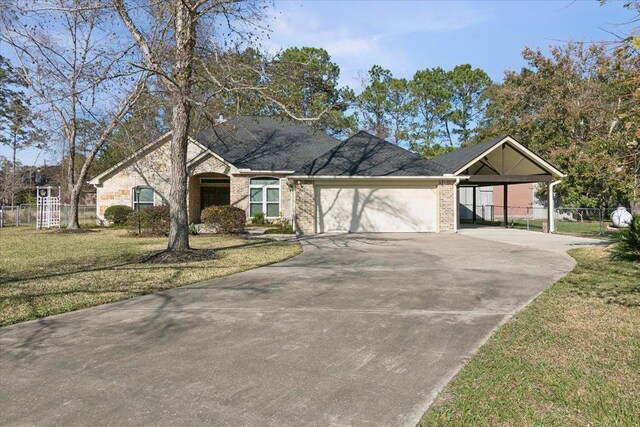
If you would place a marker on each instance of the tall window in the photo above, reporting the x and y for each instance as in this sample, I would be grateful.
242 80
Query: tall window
264 196
143 198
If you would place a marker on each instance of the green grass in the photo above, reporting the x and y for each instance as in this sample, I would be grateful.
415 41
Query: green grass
44 273
571 358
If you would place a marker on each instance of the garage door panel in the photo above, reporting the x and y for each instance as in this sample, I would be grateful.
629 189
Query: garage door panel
376 209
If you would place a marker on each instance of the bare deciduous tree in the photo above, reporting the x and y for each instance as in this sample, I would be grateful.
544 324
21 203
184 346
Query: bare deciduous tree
75 64
171 36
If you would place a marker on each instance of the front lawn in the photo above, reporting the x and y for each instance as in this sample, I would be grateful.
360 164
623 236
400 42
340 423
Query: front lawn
44 272
571 358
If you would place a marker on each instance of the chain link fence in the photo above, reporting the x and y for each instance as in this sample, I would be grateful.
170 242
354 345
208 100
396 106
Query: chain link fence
575 221
25 215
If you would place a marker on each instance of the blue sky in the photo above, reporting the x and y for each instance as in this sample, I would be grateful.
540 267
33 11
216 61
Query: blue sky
405 36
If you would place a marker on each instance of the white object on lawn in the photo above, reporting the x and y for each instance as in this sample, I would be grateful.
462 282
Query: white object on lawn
621 217
47 208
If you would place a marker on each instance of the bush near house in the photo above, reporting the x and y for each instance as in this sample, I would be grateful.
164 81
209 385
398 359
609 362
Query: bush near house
118 214
224 219
152 221
284 228
259 219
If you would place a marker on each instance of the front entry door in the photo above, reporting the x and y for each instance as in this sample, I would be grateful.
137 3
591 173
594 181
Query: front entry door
214 196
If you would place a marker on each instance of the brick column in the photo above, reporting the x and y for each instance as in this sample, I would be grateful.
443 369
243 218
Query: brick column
446 206
305 208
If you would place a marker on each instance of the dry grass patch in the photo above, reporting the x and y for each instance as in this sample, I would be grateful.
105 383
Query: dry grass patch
571 358
44 273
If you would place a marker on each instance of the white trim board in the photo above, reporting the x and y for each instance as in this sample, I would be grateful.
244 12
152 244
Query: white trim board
531 155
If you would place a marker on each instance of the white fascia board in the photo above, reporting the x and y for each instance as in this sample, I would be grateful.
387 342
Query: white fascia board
97 180
252 171
532 156
391 178
537 158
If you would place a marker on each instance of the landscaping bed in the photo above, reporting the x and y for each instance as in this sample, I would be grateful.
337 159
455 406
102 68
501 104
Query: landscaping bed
572 357
45 272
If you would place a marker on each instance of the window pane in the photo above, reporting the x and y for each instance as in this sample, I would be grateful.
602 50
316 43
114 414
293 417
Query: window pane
265 181
143 206
273 209
255 195
255 208
273 194
143 194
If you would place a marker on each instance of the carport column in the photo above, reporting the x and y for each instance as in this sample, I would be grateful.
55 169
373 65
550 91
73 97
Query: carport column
505 202
474 204
550 216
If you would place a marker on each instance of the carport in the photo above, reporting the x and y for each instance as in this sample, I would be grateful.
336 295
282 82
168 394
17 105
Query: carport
501 161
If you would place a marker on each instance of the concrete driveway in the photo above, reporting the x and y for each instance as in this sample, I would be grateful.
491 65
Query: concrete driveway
359 329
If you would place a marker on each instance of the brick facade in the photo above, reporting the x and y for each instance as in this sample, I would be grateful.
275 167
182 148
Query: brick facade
305 215
446 206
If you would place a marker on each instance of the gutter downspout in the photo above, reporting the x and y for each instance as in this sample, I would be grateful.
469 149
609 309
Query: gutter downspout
550 217
455 205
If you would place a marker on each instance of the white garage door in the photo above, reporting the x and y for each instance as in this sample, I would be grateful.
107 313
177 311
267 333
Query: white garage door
370 208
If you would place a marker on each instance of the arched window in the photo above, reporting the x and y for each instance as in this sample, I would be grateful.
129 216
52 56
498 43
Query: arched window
264 196
142 198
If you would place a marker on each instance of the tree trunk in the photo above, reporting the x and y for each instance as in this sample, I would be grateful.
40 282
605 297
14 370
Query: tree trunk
185 36
178 217
74 201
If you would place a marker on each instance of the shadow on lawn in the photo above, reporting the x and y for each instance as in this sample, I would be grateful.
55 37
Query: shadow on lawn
131 261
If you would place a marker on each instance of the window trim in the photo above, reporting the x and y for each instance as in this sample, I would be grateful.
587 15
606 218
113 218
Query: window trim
133 195
264 195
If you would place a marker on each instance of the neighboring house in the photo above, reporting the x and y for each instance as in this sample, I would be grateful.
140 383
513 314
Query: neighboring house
54 176
285 169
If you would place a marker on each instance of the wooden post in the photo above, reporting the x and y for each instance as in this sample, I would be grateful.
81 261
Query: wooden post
505 198
474 204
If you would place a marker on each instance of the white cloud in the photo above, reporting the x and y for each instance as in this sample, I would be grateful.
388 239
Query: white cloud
358 35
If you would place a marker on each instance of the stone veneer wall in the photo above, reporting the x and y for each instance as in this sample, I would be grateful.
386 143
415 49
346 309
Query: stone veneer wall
153 170
446 206
305 215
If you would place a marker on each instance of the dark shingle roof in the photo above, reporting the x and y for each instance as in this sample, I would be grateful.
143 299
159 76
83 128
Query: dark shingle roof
366 155
264 143
451 162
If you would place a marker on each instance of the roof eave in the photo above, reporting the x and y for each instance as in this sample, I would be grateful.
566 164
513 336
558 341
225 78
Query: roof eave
546 165
97 180
384 177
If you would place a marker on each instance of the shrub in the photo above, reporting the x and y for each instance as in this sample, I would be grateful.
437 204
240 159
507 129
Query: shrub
117 214
150 221
629 245
224 219
284 228
259 219
193 230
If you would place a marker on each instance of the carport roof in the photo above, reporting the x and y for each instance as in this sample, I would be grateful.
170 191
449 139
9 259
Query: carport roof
454 160
501 160
367 155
